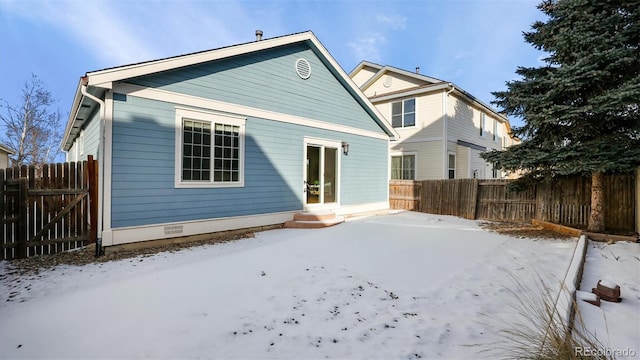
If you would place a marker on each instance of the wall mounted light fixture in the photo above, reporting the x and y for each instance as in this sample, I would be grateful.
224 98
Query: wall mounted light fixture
345 148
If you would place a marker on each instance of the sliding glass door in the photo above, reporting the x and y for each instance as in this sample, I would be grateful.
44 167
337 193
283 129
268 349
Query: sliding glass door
321 173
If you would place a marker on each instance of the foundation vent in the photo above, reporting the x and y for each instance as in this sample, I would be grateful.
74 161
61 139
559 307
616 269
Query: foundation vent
173 229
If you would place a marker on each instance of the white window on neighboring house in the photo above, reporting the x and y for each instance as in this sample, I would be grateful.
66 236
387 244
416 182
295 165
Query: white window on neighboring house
452 165
495 130
209 149
483 123
494 171
403 113
403 167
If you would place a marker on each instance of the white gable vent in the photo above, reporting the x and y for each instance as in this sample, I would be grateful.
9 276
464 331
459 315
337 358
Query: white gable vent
303 68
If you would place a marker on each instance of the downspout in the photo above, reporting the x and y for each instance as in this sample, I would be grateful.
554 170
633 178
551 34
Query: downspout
100 103
445 139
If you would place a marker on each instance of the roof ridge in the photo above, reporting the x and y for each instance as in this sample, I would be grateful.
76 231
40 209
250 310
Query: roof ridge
196 52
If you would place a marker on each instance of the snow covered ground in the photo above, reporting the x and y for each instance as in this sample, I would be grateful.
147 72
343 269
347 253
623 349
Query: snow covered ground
616 325
406 285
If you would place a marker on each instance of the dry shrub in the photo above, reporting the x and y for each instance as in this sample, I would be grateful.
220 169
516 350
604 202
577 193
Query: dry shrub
538 331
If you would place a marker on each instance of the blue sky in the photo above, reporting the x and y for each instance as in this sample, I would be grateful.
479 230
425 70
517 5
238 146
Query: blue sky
476 44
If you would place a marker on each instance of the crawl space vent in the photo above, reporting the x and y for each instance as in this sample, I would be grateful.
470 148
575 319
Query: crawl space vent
303 68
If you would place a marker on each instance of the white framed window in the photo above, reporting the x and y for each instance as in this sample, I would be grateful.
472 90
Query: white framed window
403 167
483 124
452 165
403 113
494 171
495 130
209 149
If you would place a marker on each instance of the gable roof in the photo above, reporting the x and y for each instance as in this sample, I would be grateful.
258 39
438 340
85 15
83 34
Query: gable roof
430 84
6 149
96 82
383 69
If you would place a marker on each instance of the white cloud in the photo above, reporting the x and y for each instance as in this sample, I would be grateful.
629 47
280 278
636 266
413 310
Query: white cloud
368 46
120 33
396 22
94 24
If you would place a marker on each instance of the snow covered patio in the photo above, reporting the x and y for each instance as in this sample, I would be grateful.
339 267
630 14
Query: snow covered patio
405 285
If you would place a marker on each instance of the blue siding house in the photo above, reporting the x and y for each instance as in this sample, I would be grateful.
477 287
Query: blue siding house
231 138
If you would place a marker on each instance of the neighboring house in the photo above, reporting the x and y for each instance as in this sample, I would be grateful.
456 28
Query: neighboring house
231 138
443 129
4 156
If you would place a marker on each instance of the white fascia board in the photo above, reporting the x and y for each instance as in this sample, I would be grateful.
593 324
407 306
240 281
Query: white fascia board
478 102
6 149
373 79
103 78
419 91
106 78
414 75
362 65
216 105
75 106
391 69
364 100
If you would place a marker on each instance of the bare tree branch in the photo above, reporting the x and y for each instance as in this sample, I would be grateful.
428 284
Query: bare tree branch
32 127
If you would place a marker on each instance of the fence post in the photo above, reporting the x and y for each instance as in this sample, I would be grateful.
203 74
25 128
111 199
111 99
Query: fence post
21 249
474 198
637 204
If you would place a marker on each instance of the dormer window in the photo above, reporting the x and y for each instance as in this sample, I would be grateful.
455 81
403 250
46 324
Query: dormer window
403 113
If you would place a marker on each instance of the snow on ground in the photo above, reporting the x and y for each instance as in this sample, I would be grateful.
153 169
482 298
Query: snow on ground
401 286
616 325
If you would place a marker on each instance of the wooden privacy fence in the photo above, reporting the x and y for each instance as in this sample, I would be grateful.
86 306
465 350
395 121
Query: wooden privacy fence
47 210
565 201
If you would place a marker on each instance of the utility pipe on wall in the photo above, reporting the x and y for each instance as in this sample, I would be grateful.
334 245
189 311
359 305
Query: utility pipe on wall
445 140
102 106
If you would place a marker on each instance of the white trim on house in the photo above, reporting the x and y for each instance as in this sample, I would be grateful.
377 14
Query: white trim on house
105 151
80 141
104 78
196 101
323 143
382 70
418 140
409 93
108 78
133 234
403 112
6 149
455 161
213 118
397 153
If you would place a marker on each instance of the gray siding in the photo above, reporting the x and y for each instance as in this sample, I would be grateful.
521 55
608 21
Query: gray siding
91 137
268 80
91 140
143 190
4 160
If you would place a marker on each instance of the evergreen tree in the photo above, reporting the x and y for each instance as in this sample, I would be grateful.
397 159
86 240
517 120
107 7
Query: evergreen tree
581 108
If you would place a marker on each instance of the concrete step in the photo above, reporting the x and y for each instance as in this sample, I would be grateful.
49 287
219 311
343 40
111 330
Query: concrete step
315 220
314 216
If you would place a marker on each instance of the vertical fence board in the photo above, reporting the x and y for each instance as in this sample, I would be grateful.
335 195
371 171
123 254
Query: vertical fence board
565 200
46 210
